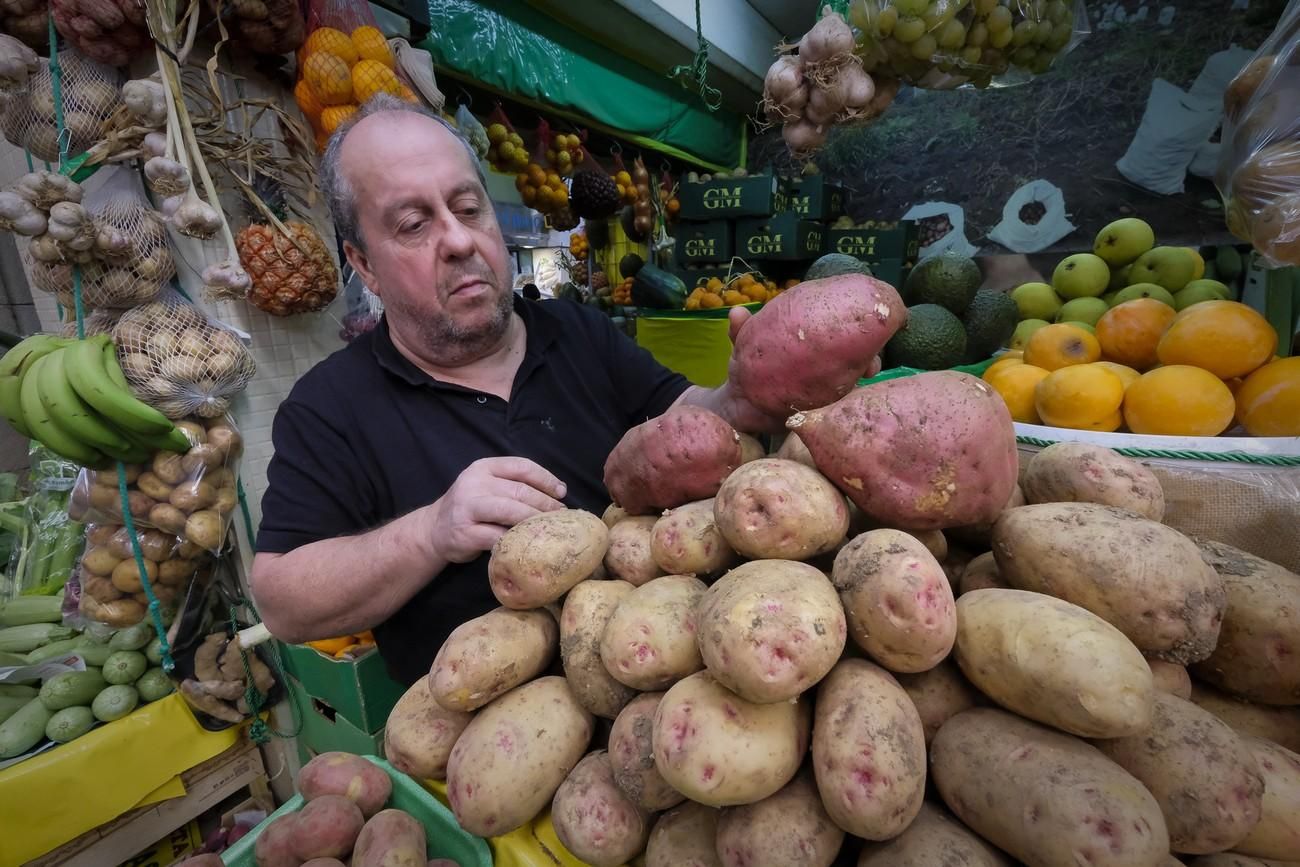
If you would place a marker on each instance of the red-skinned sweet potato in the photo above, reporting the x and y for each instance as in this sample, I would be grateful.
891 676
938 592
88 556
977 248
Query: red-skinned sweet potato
681 456
337 773
808 346
922 452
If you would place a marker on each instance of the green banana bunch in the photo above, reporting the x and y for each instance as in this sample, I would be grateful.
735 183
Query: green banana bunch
71 395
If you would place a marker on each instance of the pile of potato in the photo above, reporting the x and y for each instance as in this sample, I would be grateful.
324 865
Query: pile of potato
878 633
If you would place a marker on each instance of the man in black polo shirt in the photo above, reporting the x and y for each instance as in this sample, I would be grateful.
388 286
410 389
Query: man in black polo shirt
402 458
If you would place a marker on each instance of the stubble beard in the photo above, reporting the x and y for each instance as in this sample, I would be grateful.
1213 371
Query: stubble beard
446 342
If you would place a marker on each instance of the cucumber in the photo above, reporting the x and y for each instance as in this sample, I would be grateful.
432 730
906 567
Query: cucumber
31 609
93 652
11 704
153 685
24 730
25 639
72 687
53 650
69 724
8 660
125 666
115 702
132 637
17 690
153 652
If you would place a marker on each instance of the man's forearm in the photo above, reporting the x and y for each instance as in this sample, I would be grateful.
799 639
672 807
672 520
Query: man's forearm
348 584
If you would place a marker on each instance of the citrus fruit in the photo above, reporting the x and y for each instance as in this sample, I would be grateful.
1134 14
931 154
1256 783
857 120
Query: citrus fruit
329 78
331 41
1226 338
370 77
307 101
1268 402
1080 396
331 117
1061 345
1179 400
1129 333
370 44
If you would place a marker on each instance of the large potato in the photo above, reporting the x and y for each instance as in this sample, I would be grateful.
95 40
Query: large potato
649 641
780 510
1258 654
790 827
750 448
793 449
1053 662
770 629
630 556
1048 799
613 514
1083 473
339 773
391 837
490 655
687 541
684 837
540 558
587 608
1171 677
681 456
897 599
716 748
514 754
922 452
1146 579
934 839
419 734
594 819
1278 833
938 694
1231 859
868 751
981 573
1281 725
1200 772
632 755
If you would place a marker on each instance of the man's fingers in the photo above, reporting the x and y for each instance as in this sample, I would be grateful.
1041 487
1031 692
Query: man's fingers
528 472
502 511
526 494
735 319
477 538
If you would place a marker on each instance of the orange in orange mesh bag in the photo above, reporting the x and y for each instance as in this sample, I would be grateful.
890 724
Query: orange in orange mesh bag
179 361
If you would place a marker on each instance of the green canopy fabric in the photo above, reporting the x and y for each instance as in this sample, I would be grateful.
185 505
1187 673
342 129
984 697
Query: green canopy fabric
518 51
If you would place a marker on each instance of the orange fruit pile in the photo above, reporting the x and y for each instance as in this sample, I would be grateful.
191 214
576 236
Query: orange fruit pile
339 71
744 289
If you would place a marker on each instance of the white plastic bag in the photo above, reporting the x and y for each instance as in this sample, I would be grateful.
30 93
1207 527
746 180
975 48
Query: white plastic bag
1019 236
1173 127
942 214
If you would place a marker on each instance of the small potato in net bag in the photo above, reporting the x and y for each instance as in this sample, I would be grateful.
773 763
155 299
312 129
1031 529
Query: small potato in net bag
90 95
1259 162
108 576
192 496
179 361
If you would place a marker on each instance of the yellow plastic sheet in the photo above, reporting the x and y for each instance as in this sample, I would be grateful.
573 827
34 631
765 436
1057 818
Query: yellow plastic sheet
697 348
68 790
533 845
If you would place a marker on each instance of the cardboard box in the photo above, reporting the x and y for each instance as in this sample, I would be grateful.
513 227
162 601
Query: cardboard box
324 729
812 197
786 236
899 241
359 690
704 243
753 196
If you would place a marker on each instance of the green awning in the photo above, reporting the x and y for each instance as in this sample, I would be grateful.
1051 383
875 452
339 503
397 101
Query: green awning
521 53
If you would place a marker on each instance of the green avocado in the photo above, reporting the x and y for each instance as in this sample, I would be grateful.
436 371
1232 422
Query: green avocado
932 339
835 264
949 280
990 321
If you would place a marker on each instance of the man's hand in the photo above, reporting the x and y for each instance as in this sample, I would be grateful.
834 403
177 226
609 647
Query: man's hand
488 498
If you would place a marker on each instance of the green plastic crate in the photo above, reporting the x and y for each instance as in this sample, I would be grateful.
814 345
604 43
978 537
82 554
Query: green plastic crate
359 690
444 836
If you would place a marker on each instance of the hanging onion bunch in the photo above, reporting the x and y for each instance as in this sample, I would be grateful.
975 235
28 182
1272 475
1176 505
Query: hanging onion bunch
822 86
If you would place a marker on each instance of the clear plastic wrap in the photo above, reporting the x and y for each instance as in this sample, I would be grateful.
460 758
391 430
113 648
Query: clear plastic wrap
472 130
179 361
109 585
191 496
54 541
1259 161
944 44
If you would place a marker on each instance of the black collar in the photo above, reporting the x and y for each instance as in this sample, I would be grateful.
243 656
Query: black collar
541 329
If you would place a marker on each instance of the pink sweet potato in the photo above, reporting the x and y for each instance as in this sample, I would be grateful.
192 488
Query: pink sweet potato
808 346
681 456
327 827
274 845
922 452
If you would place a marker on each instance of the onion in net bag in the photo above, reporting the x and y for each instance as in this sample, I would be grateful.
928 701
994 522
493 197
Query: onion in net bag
179 361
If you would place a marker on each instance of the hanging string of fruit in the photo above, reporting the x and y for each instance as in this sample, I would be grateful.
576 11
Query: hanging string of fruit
565 152
506 152
642 207
543 191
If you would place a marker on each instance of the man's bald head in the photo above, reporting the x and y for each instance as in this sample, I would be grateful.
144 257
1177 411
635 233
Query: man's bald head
333 180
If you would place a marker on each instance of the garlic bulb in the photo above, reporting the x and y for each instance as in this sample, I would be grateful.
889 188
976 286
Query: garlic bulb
71 226
196 218
146 102
43 248
227 280
20 216
113 246
166 177
43 189
154 144
17 64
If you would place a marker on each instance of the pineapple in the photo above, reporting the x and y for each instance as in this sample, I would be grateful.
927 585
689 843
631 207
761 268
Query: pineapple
290 273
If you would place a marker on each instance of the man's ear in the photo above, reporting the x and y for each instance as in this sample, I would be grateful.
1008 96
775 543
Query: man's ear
361 264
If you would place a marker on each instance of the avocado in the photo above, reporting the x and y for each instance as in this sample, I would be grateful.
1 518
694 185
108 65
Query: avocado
949 280
932 339
630 264
835 264
990 321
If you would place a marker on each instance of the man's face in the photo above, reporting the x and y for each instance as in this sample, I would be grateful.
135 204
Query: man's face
433 249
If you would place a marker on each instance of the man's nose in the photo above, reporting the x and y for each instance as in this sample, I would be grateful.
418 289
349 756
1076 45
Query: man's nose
455 241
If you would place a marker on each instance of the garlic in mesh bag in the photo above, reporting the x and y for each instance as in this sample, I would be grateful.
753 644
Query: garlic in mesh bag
90 95
179 361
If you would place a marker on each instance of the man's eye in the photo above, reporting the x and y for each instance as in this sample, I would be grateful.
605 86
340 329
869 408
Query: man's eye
412 226
470 211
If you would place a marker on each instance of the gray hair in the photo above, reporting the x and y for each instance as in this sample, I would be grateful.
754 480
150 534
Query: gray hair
335 187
